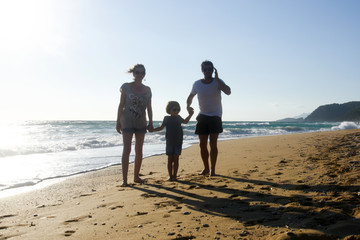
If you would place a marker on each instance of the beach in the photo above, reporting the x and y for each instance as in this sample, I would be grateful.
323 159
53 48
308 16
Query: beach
295 186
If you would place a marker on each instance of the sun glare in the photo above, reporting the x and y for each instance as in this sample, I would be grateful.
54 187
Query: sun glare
26 25
11 136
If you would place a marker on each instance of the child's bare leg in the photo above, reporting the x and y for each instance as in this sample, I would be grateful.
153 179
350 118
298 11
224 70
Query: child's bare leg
175 167
170 166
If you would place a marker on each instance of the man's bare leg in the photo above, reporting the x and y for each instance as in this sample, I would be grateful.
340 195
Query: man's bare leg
213 152
204 154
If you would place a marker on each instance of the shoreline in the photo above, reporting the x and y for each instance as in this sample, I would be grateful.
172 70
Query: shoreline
28 187
81 155
294 186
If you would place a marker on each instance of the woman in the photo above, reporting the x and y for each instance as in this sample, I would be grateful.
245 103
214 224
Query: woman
131 120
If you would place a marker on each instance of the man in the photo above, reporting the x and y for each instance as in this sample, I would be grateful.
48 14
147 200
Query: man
209 123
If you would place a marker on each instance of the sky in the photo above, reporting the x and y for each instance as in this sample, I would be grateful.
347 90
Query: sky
66 59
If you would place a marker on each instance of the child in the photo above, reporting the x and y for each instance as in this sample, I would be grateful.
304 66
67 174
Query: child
174 136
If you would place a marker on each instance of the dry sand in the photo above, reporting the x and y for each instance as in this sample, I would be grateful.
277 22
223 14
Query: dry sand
300 186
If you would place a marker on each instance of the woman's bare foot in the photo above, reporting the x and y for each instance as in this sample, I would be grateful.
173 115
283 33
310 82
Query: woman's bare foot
204 172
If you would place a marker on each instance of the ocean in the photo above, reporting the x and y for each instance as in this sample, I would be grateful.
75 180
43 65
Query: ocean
32 152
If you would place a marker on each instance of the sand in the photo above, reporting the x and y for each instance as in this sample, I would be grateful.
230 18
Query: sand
299 186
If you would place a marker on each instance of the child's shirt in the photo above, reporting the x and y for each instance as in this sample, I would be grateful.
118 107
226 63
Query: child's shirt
174 131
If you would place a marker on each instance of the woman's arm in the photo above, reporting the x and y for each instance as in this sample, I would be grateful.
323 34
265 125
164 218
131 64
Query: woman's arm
150 115
120 111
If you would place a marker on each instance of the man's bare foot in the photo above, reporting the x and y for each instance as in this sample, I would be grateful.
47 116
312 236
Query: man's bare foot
139 180
124 184
212 173
204 172
170 179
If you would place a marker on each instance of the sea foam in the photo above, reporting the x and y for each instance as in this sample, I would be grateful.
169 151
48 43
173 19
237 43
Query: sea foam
31 152
346 125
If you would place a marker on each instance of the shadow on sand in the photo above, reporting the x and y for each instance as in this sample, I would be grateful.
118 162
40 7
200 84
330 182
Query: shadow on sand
326 208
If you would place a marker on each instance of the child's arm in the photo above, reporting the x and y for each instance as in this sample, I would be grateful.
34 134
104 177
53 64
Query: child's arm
163 124
159 128
187 119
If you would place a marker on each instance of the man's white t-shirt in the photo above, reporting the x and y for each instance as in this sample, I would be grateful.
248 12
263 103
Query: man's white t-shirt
209 97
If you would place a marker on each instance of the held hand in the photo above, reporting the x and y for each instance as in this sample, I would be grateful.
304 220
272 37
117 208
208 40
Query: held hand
119 128
150 128
190 110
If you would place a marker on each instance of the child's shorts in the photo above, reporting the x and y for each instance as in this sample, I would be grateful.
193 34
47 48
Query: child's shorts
173 150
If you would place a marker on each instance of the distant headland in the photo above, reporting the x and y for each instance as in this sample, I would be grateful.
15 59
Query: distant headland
335 112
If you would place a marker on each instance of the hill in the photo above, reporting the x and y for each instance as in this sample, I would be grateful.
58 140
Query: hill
336 113
291 120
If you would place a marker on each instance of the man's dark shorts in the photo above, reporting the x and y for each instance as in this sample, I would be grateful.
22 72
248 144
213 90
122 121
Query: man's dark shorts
208 125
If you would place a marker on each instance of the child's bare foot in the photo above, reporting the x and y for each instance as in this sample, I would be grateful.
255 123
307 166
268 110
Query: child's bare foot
204 172
139 180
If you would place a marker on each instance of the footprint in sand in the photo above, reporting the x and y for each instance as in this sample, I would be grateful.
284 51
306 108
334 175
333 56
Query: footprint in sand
248 187
71 221
85 195
141 213
76 219
101 206
167 204
148 195
7 216
116 207
68 233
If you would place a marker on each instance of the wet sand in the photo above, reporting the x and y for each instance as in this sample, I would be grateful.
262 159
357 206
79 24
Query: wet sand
299 186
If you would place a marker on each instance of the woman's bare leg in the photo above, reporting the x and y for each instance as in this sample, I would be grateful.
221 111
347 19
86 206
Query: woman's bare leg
139 143
127 138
